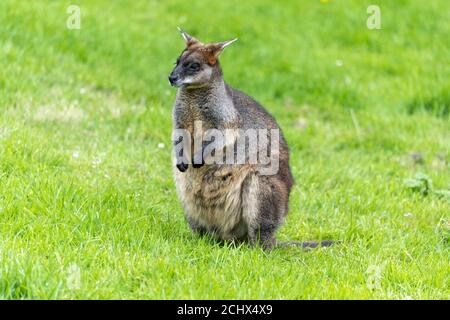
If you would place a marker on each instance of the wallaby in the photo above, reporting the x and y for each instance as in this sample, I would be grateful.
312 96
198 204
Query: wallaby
229 201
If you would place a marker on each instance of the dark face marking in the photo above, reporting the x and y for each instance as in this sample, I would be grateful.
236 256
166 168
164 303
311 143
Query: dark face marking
187 67
191 68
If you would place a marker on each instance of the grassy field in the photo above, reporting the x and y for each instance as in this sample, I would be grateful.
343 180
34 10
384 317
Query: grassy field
88 207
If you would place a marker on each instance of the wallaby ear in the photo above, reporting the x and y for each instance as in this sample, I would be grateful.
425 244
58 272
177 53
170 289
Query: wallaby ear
215 49
188 39
225 44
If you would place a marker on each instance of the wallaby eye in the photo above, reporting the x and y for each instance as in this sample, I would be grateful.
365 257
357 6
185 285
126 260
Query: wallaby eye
194 66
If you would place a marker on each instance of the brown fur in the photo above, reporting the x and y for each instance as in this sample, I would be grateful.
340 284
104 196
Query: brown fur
229 201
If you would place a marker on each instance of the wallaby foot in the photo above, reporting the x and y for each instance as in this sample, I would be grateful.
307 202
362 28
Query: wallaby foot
195 227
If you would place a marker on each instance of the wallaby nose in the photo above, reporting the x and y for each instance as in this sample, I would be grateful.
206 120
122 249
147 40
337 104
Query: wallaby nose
173 79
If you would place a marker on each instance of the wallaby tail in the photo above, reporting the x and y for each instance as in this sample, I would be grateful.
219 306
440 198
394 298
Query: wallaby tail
308 244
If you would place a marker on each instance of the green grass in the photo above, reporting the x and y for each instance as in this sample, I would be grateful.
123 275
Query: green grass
88 207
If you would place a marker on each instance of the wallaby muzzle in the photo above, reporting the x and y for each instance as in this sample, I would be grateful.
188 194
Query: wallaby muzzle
174 79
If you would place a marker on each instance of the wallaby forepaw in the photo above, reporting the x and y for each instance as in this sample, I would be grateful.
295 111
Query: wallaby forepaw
197 164
182 167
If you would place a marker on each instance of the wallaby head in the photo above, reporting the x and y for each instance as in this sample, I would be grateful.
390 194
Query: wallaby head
198 64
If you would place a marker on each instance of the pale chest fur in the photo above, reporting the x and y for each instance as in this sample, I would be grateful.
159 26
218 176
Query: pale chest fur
215 110
212 196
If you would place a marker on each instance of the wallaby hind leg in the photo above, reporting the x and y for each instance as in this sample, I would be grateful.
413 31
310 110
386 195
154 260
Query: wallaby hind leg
263 233
264 210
